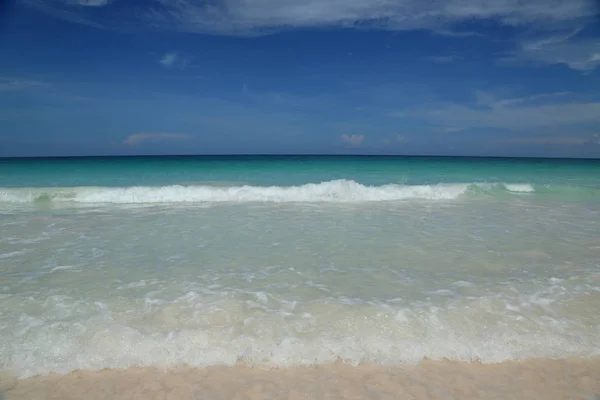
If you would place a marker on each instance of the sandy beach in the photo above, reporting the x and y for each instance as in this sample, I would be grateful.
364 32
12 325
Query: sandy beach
536 379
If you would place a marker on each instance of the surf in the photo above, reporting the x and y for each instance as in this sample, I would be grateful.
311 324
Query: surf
335 191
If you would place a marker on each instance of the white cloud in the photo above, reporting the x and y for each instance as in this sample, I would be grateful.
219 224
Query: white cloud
256 17
515 114
247 15
168 59
353 140
576 53
172 60
441 17
134 140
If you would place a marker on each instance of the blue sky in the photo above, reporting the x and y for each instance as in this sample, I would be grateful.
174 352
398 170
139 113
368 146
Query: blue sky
455 77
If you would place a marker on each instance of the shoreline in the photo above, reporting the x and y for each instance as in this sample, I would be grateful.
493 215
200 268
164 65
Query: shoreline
531 379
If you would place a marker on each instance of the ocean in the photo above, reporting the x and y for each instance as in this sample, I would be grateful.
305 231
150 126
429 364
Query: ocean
296 261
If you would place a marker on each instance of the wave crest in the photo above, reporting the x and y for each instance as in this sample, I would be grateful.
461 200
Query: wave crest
337 191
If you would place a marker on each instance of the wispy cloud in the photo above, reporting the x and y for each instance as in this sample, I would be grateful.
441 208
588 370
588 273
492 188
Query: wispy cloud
173 60
446 32
72 12
451 129
353 140
486 99
582 54
555 140
256 17
543 110
168 59
287 99
243 15
444 59
90 3
134 140
14 84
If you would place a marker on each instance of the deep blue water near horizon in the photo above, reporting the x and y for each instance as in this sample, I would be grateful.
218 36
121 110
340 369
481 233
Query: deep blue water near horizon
296 260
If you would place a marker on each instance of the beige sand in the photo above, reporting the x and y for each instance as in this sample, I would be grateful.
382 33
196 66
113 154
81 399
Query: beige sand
540 379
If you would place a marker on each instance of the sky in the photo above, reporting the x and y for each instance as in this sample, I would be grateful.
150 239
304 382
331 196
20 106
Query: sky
414 77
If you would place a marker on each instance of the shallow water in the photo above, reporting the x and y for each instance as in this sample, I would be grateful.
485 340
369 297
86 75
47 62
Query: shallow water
113 275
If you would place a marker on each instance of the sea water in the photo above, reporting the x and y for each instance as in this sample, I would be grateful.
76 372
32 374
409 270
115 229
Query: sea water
283 261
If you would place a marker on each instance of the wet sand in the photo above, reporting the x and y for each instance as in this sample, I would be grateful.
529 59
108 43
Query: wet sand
537 379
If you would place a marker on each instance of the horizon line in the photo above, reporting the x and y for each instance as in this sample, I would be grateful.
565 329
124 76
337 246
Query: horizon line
365 155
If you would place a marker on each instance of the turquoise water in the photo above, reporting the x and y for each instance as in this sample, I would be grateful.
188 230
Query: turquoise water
277 261
288 170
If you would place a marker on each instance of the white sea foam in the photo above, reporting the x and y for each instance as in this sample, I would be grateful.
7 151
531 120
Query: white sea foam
14 253
227 332
520 188
62 268
338 191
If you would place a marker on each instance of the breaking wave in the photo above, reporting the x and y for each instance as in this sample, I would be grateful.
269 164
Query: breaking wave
337 191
